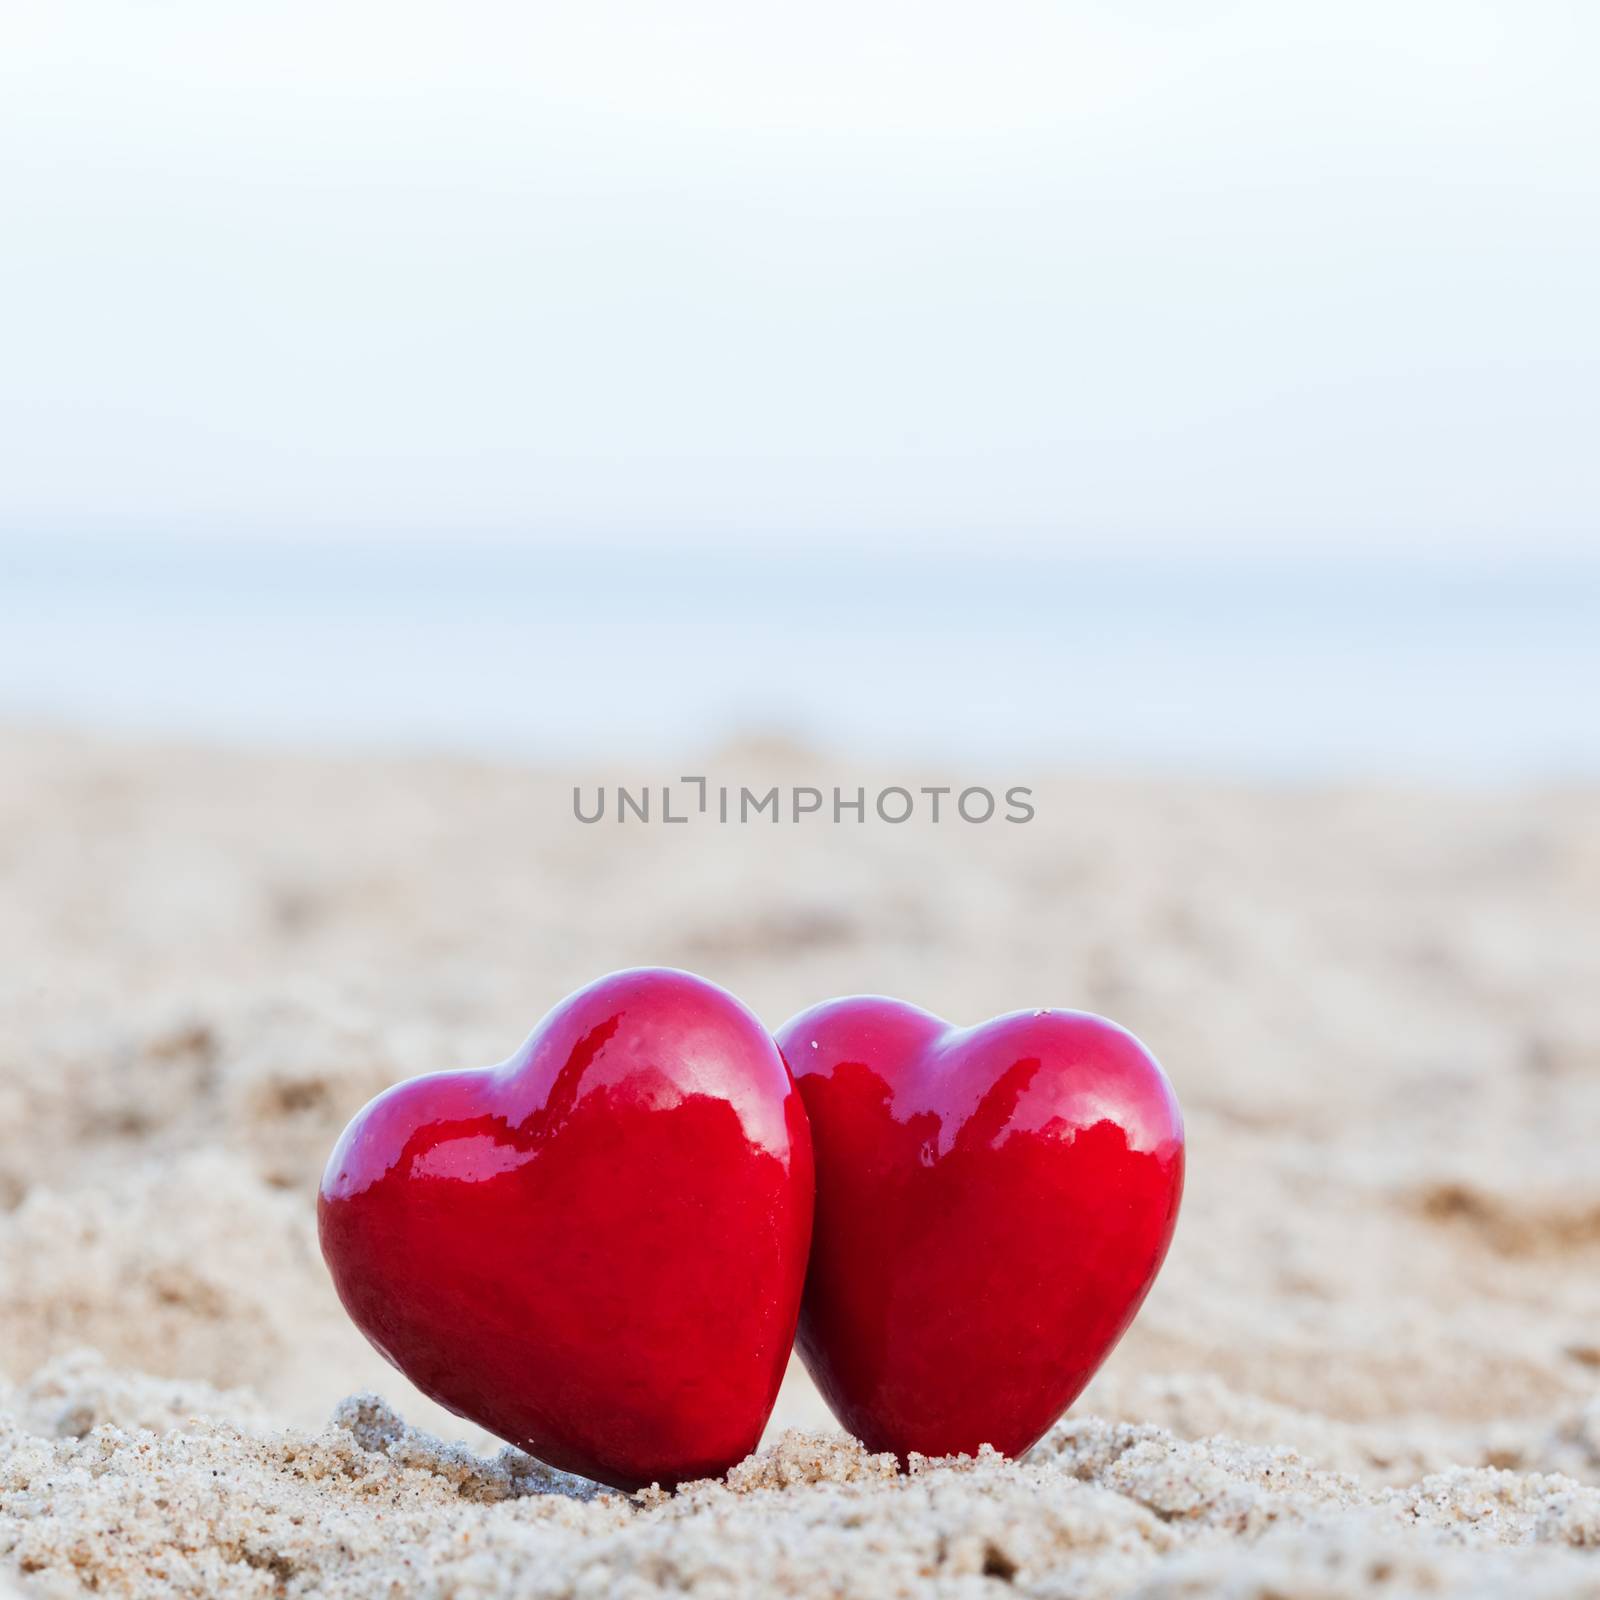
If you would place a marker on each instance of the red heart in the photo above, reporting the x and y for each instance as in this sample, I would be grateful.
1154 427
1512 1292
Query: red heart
993 1204
597 1248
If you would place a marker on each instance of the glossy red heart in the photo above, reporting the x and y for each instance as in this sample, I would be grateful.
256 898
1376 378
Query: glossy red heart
596 1249
993 1204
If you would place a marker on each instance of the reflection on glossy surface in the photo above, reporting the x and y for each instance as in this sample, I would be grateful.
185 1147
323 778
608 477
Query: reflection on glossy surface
596 1249
993 1205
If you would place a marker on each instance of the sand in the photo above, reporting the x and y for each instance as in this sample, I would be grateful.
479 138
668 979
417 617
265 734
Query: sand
1371 1364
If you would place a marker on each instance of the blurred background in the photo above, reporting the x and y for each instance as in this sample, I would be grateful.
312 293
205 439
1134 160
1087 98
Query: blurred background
408 412
1191 387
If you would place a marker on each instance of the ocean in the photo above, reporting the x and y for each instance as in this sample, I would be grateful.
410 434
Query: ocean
1286 669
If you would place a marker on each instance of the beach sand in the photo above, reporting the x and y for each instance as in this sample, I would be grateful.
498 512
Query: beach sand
1372 1363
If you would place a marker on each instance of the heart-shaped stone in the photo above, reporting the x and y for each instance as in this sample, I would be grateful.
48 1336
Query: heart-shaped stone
596 1249
993 1204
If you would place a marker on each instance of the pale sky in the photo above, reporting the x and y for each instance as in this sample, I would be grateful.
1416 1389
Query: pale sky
1313 277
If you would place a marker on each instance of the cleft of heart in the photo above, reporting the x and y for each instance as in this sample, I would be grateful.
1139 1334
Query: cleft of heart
604 1248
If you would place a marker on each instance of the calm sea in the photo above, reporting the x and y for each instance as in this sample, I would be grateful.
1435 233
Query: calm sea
1290 670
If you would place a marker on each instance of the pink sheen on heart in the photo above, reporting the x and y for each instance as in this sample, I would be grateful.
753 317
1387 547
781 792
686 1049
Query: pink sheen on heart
992 1206
595 1249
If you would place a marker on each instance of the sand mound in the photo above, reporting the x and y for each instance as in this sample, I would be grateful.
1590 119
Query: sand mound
212 1505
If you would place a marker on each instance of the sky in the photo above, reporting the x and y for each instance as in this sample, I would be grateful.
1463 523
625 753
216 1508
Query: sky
1307 280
